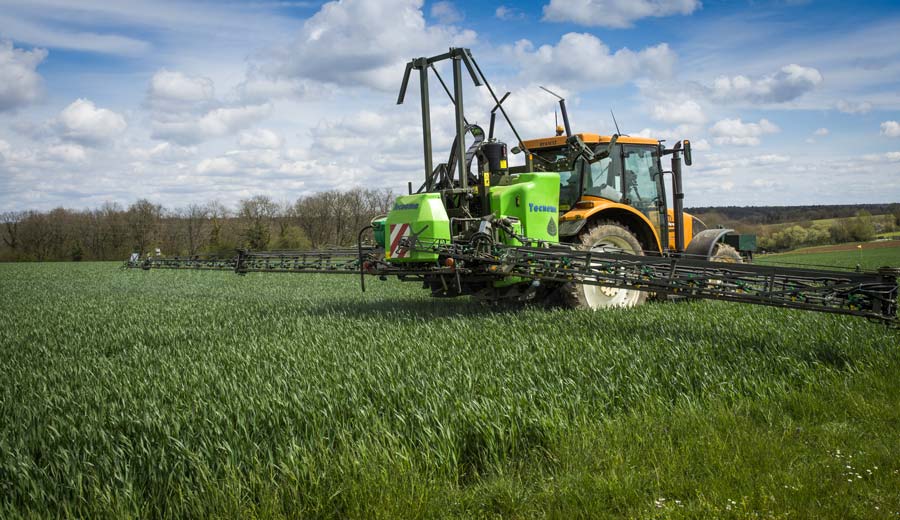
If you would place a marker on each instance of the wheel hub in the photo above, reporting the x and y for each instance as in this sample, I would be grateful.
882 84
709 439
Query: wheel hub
609 291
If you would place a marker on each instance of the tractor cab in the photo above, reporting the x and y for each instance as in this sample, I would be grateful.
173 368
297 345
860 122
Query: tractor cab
623 173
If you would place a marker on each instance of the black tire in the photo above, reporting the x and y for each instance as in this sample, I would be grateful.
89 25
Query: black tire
611 236
726 254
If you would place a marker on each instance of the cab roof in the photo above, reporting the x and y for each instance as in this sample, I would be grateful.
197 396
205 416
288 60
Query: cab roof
556 141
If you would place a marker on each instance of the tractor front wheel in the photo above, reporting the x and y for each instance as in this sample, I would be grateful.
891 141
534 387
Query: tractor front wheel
606 238
727 254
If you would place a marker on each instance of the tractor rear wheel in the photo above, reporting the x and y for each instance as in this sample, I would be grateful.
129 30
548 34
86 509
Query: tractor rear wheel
610 238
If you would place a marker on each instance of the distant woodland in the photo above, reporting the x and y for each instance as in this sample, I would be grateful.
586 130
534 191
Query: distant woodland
781 228
333 218
113 232
782 214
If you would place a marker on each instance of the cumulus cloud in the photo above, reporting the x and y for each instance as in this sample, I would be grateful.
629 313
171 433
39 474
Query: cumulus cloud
67 153
217 166
185 111
819 132
595 64
20 84
789 83
446 13
218 122
259 86
172 90
83 122
701 145
679 112
340 44
724 163
509 13
163 153
615 13
260 138
853 107
736 132
890 129
883 157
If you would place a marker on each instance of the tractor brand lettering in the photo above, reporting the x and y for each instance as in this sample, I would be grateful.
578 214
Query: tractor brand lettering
400 207
540 208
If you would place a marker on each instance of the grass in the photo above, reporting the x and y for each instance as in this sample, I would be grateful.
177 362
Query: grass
868 258
209 395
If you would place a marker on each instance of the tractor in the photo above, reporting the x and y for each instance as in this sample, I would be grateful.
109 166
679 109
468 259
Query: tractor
584 223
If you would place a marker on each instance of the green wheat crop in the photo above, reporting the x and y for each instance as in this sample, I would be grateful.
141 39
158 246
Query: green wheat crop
210 395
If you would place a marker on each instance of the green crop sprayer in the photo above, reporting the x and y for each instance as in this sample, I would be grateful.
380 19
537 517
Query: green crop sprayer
584 223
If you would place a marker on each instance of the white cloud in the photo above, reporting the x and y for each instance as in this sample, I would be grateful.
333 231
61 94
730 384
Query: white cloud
446 12
883 157
736 132
532 110
509 13
217 166
82 121
789 83
260 138
594 65
127 27
853 107
821 132
20 84
614 13
172 90
218 122
67 153
679 112
259 86
890 129
700 145
342 44
21 29
163 153
672 134
185 110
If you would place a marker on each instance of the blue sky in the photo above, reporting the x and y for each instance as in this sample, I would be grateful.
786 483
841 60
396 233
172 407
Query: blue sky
786 102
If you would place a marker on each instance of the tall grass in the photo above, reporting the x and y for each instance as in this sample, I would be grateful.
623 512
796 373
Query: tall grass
184 394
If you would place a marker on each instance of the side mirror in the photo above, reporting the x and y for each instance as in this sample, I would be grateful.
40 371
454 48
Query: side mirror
687 152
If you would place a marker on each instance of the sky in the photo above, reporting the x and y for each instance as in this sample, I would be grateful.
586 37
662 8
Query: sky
785 102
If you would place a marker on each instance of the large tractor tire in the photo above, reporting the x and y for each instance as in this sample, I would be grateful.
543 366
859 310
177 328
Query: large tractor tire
727 254
606 237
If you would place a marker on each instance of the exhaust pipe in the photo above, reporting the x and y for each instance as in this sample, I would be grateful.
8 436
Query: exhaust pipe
678 197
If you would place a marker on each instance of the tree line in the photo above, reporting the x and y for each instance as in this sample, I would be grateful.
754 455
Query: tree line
750 215
113 232
861 227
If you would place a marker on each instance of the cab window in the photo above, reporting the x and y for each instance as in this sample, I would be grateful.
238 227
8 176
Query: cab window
604 181
642 176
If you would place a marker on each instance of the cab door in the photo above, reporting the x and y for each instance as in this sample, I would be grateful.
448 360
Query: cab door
643 185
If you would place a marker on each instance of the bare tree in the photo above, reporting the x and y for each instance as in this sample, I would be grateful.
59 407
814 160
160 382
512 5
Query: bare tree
258 215
195 218
143 219
11 220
